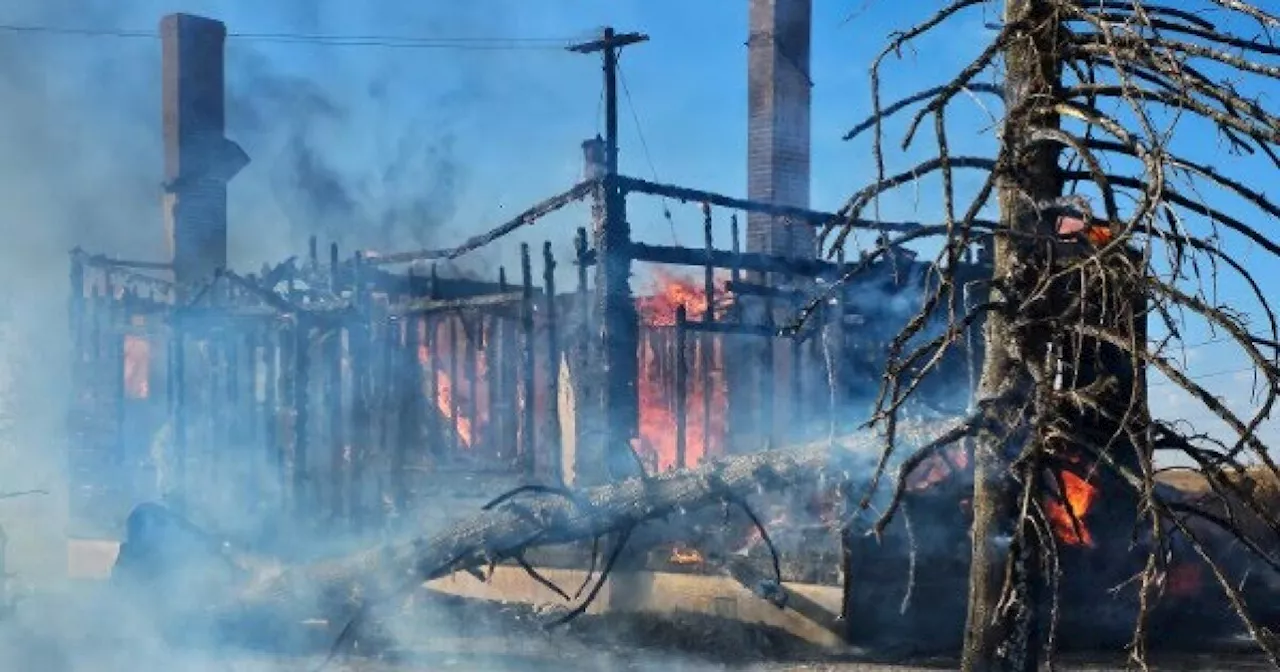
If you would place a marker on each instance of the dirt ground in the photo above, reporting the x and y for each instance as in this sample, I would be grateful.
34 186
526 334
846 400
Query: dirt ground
91 633
562 660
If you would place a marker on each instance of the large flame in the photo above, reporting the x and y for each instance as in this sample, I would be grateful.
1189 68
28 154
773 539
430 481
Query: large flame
670 291
452 400
657 401
1067 514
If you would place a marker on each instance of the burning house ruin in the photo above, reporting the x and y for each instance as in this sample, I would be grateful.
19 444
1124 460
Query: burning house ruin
329 386
349 391
358 392
355 392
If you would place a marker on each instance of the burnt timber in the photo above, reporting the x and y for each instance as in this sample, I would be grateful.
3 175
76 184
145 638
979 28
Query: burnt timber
345 394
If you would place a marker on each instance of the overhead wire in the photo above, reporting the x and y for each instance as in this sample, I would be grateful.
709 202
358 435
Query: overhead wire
1192 346
644 147
1212 374
445 42
600 112
368 40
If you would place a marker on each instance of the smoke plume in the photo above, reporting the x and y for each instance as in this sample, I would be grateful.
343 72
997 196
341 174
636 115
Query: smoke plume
334 155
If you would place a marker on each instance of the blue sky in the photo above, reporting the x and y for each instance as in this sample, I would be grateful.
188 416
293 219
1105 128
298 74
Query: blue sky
510 120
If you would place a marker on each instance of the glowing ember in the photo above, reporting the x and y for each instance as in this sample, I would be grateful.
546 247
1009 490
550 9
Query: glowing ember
1185 579
137 367
657 400
1068 521
685 556
1100 235
1097 233
937 468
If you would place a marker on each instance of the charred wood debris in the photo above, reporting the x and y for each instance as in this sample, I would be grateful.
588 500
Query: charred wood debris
336 395
339 397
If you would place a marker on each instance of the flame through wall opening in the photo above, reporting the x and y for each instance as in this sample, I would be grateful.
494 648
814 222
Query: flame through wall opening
706 399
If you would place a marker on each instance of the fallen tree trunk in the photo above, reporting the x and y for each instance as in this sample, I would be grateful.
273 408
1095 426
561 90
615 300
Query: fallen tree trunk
264 602
544 516
339 590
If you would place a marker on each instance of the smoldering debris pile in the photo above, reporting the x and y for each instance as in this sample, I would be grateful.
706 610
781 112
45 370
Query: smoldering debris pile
102 631
158 610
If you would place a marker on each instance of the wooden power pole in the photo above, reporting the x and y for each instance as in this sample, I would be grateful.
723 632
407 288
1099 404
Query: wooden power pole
619 323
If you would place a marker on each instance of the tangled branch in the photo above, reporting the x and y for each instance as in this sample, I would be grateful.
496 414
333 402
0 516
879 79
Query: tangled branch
1099 95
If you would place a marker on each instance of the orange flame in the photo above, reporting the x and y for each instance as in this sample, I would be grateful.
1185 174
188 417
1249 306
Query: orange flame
453 411
137 367
670 292
657 402
685 556
1078 495
1099 235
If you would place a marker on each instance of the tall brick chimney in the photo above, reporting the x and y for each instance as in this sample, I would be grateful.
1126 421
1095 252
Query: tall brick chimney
198 159
778 94
778 97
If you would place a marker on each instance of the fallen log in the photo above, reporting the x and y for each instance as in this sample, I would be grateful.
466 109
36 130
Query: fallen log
270 597
539 516
267 602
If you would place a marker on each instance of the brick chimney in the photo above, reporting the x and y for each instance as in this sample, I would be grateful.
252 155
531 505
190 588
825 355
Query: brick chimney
198 159
778 97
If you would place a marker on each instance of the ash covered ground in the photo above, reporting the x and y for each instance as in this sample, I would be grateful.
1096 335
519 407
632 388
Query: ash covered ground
87 628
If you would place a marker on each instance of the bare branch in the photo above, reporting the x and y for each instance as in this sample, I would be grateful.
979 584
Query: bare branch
870 122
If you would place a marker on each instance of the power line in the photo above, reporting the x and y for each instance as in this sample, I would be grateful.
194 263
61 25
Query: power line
551 41
387 41
1192 346
644 146
86 32
600 111
1213 374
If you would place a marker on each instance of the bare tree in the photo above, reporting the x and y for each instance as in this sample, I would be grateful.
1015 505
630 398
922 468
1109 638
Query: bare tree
1096 95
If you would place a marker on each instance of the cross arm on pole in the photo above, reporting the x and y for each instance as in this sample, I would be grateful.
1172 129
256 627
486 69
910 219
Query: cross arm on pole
610 40
608 45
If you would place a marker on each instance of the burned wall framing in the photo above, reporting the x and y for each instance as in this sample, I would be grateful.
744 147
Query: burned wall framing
762 397
316 392
341 395
334 390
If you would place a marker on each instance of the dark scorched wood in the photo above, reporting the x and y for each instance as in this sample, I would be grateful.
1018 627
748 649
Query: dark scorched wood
539 519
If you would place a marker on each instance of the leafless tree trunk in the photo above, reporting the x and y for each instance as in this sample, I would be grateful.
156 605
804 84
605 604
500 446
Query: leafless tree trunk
1001 628
1095 94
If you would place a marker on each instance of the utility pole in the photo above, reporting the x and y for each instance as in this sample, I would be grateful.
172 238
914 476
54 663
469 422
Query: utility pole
609 43
619 326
